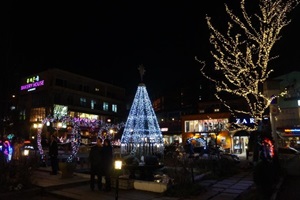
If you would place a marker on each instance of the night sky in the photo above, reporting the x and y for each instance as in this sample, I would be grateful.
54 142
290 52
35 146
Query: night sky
108 41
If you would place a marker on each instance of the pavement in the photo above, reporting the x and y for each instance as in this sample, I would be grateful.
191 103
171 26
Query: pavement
51 187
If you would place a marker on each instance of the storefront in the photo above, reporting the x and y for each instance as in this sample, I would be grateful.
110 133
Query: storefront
171 138
240 141
212 130
289 137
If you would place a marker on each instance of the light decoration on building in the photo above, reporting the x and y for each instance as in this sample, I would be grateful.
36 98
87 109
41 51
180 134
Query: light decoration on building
75 123
75 139
142 135
107 127
242 56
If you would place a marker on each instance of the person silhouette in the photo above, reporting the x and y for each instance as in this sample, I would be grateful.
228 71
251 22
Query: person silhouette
53 153
107 163
95 162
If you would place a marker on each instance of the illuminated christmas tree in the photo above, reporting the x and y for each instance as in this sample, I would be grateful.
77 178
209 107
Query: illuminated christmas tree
142 135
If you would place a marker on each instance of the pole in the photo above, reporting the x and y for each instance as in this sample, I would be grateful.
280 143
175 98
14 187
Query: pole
117 188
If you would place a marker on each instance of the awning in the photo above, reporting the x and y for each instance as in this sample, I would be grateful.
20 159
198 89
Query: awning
241 133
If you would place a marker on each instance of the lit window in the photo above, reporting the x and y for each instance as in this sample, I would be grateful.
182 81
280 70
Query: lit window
93 103
83 101
114 108
105 106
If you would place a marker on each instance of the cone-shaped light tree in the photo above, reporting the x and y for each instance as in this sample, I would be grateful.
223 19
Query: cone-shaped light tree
142 135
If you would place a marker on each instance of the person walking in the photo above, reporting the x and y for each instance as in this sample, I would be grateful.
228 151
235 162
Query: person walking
53 153
107 163
95 163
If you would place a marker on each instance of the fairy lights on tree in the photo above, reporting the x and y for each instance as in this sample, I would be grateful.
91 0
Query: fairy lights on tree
142 135
242 55
75 138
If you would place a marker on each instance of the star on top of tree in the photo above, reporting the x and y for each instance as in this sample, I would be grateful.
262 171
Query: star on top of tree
142 70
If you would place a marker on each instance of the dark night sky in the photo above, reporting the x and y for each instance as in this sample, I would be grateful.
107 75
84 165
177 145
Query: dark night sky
108 41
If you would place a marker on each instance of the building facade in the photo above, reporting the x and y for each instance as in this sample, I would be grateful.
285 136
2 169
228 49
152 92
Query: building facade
57 93
285 109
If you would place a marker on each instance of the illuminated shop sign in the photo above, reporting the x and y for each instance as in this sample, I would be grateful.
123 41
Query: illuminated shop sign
244 121
291 132
32 83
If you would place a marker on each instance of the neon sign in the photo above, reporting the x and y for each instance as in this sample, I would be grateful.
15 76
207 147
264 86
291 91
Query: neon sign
32 83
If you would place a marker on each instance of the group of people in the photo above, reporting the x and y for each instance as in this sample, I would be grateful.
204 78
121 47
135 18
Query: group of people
101 160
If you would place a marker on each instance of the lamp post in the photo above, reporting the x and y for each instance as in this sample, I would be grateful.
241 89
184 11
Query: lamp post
118 167
112 135
38 127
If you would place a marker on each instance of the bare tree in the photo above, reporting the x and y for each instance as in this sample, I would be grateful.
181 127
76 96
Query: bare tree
242 55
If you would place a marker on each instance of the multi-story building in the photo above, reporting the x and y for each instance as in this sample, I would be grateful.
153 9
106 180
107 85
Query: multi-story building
174 103
202 117
211 127
56 93
285 110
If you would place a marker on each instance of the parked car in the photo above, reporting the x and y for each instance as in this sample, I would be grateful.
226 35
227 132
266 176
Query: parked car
288 153
229 156
289 158
218 153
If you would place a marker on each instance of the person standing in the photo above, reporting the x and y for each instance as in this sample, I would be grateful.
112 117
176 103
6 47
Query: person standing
107 163
95 162
53 153
17 149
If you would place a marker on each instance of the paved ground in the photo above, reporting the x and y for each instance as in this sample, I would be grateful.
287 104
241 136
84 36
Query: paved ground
289 188
50 187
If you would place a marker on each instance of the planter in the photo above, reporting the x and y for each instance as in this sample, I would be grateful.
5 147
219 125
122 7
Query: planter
67 169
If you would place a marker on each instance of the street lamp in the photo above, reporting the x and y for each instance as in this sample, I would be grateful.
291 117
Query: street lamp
26 152
112 133
118 167
36 126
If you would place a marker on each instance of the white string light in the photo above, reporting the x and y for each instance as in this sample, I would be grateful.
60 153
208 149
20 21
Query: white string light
142 134
243 53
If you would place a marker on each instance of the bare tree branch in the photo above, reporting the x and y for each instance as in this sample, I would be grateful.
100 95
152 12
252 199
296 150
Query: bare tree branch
242 54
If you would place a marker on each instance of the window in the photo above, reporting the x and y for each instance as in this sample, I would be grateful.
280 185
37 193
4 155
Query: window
83 101
202 111
93 104
114 108
70 100
37 114
105 106
60 82
205 125
22 115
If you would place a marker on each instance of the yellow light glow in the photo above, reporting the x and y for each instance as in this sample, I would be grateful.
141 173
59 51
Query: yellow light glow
118 164
26 152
